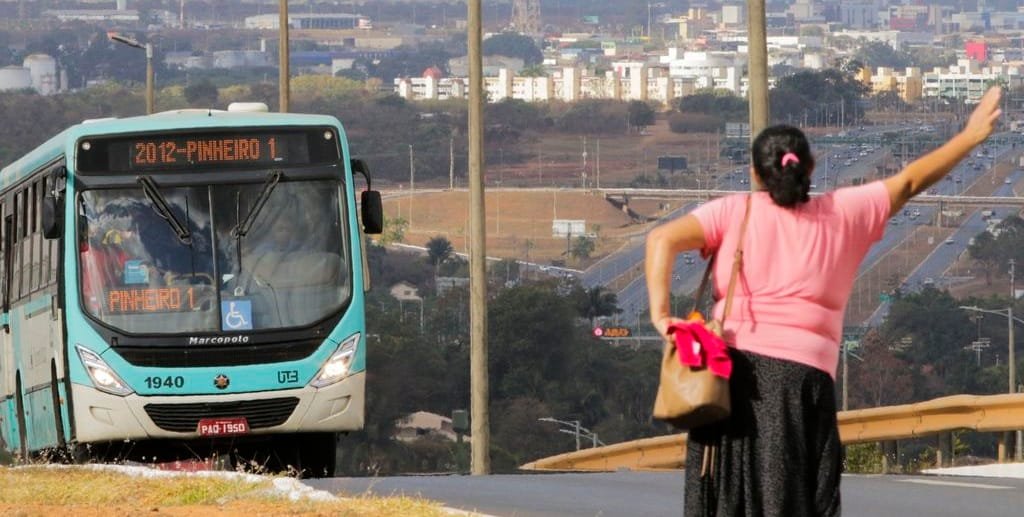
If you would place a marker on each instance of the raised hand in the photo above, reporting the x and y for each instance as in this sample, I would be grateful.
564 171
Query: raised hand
983 118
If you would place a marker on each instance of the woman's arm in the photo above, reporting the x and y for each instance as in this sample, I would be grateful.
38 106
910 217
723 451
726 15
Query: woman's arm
932 167
663 244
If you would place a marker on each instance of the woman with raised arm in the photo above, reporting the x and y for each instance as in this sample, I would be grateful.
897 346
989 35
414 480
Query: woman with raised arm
778 453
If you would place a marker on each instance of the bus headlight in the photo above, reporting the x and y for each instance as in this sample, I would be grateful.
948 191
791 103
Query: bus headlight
336 367
102 375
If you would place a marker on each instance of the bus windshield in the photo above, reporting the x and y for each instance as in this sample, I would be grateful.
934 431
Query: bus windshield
288 270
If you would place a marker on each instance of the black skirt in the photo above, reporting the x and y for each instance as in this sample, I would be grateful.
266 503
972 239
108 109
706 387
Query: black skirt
778 453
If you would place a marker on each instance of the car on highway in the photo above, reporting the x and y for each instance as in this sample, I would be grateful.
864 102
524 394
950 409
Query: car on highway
950 240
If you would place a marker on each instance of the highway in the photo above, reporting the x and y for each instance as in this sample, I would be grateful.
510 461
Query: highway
933 270
661 494
843 164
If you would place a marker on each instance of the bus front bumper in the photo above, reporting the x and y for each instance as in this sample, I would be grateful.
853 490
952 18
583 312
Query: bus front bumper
101 417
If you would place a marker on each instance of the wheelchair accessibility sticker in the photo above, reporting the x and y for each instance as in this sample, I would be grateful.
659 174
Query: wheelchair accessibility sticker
236 314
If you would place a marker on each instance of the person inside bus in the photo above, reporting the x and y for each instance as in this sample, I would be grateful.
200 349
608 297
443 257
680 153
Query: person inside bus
282 247
103 260
286 269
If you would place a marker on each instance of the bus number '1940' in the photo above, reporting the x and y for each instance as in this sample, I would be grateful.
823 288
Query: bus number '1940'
155 383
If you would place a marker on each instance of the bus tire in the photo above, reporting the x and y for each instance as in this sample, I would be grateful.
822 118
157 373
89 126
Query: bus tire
58 416
19 405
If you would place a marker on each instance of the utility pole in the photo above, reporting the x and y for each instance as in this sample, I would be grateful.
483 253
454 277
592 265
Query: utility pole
846 377
282 57
478 380
583 175
540 166
648 39
1009 311
412 184
1018 445
451 162
597 162
757 66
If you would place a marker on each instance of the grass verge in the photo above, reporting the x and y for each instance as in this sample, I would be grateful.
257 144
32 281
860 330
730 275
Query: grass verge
46 491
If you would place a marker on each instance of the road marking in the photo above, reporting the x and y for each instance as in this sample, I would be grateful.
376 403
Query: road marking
955 483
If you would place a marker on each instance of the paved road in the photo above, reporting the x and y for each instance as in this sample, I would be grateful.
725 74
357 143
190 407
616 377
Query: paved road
660 494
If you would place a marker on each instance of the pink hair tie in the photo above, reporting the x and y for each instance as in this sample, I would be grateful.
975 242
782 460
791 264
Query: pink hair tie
789 157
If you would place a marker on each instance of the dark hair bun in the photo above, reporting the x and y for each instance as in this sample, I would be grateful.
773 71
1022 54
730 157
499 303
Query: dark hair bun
788 185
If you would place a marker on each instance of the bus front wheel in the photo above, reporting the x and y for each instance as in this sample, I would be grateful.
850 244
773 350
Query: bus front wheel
317 454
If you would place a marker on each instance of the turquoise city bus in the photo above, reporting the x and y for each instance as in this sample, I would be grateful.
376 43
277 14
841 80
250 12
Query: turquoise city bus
190 279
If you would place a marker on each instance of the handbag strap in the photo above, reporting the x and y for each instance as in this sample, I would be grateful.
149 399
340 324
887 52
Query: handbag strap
737 265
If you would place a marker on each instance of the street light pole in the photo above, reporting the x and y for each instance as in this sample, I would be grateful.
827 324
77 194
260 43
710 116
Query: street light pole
150 101
574 428
284 93
148 47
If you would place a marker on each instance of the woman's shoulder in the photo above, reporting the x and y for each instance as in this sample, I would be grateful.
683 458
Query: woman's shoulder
857 193
738 198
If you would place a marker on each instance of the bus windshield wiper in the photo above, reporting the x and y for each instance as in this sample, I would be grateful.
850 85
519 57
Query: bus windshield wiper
242 228
152 192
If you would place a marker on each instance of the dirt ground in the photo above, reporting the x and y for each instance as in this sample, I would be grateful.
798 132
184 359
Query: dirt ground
519 222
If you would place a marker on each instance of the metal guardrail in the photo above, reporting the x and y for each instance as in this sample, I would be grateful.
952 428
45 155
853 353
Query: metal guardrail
983 413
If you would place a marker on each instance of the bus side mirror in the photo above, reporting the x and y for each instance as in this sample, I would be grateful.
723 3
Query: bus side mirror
372 208
51 218
372 212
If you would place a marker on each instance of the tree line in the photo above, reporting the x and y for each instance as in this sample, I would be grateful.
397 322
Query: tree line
544 362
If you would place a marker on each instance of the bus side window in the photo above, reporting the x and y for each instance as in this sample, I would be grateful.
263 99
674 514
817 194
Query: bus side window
4 231
23 243
16 239
33 237
50 245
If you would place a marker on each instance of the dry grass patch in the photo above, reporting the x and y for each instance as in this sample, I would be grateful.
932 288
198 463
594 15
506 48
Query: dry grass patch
518 221
44 491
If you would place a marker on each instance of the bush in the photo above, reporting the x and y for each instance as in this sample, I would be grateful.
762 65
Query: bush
694 123
863 458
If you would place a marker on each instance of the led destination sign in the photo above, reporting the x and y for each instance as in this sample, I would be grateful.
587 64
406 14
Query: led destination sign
151 300
174 152
217 150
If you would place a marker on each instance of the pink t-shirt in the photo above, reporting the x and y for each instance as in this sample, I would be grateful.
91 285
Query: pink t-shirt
798 268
